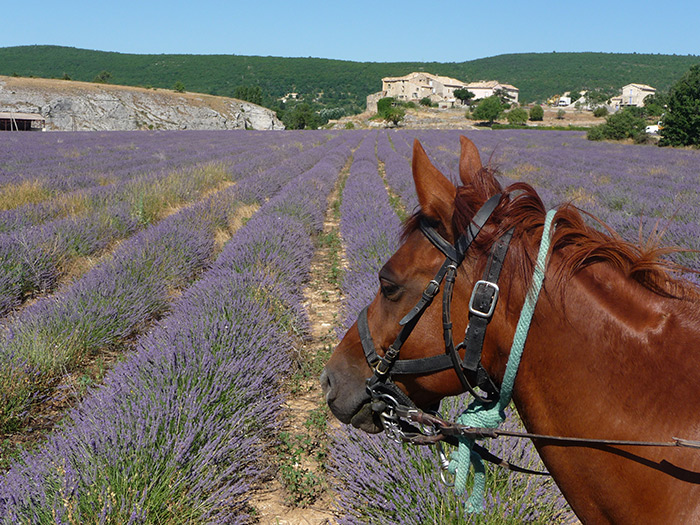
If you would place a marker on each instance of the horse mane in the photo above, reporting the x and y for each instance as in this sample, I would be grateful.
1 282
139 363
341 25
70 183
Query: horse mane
580 244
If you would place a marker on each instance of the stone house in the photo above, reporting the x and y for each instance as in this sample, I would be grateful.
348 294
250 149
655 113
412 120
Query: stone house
487 88
441 90
632 95
416 86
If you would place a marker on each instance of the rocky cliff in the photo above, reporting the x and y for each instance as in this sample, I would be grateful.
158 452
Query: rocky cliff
77 106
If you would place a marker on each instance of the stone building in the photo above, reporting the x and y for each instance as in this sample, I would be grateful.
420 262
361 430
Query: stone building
416 86
438 89
488 88
632 95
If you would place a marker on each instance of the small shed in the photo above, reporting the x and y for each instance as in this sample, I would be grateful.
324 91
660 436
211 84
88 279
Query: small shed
14 121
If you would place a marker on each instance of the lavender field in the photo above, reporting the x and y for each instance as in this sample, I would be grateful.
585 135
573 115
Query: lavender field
187 254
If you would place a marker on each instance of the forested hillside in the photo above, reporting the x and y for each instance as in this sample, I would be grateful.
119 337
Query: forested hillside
336 84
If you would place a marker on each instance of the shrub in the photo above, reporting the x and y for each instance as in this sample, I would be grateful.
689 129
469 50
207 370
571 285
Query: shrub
596 133
384 104
618 126
388 110
425 101
251 94
623 124
104 77
302 116
517 117
536 113
600 111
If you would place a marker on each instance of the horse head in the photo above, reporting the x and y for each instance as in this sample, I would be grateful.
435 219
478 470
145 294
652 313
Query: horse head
612 321
446 214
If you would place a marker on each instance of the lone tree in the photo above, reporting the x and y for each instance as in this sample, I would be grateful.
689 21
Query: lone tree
464 95
489 109
681 123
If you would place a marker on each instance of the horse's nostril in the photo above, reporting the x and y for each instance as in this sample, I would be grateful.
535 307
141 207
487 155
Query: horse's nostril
325 380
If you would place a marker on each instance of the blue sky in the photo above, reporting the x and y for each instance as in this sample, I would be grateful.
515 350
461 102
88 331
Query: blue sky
361 30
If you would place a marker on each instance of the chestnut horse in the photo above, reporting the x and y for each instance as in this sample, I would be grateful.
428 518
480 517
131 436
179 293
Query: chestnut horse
613 350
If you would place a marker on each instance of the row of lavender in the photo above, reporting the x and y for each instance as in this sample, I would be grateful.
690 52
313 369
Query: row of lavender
117 296
69 161
35 258
175 434
42 239
377 481
66 174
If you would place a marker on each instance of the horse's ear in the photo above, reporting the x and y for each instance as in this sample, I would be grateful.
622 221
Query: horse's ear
436 194
469 161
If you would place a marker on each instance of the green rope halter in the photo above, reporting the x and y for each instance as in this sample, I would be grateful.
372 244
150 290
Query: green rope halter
492 414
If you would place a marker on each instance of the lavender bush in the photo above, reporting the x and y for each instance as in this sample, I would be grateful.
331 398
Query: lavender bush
177 432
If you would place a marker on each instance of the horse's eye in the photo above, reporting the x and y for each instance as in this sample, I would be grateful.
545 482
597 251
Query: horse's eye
390 290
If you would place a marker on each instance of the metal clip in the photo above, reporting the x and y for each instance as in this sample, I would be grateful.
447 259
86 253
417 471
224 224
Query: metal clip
444 465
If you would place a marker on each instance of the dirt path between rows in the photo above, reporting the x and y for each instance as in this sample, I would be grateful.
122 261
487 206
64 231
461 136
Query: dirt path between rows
276 503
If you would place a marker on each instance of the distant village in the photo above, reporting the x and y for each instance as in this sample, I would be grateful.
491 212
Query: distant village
440 91
414 87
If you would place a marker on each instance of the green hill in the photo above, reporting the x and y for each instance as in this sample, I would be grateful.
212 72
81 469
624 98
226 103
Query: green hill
343 84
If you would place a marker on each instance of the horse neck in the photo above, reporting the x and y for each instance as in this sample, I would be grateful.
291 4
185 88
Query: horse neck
606 346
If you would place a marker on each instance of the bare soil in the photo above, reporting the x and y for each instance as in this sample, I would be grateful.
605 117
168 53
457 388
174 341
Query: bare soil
322 299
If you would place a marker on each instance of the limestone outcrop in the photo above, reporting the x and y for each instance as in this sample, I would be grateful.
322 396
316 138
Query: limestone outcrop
85 106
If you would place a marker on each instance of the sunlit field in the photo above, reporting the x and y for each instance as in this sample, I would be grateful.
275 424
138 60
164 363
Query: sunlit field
159 277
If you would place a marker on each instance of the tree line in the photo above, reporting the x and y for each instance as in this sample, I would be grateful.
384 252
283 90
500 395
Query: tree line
329 87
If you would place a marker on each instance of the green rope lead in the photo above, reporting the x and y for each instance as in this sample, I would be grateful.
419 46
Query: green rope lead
493 414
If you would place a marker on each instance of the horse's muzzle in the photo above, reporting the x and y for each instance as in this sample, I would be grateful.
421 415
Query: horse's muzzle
351 405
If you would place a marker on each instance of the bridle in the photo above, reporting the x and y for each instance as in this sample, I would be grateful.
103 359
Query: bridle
396 408
388 400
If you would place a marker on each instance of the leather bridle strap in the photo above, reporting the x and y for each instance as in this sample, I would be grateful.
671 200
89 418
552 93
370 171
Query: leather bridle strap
388 364
423 365
457 251
483 303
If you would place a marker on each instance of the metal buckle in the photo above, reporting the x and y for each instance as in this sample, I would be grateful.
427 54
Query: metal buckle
432 288
494 299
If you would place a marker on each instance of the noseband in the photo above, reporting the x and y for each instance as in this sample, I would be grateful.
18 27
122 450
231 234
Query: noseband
385 394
